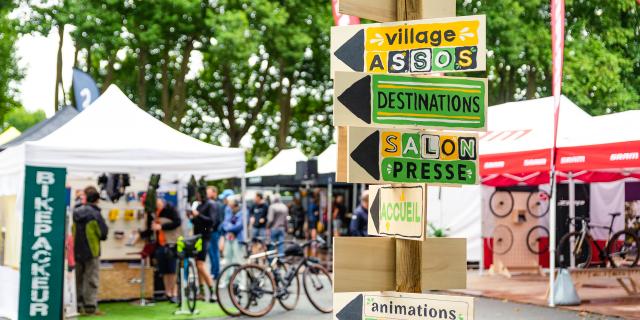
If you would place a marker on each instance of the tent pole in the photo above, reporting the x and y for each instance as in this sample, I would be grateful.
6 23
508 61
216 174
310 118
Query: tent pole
245 216
354 197
330 211
572 214
552 240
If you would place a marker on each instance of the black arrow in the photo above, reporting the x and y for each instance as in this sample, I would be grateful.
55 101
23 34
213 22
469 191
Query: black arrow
366 155
353 310
357 98
352 52
375 211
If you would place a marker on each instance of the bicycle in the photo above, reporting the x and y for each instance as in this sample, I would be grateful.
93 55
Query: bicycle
186 249
259 286
620 250
222 283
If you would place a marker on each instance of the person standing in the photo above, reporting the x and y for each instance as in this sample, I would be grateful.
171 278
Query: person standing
204 218
277 221
297 214
360 218
313 216
214 247
233 231
259 217
89 228
339 212
162 230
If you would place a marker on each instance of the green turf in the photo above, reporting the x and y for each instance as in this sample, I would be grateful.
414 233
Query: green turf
161 310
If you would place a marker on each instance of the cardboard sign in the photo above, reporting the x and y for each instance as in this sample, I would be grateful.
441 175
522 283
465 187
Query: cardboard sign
386 10
401 306
420 46
42 258
398 211
367 155
365 100
369 264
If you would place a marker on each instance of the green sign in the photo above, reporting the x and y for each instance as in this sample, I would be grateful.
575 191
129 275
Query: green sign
42 259
428 171
409 102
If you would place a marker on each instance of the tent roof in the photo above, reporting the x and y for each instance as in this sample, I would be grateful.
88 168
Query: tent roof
44 127
327 160
284 163
115 135
9 134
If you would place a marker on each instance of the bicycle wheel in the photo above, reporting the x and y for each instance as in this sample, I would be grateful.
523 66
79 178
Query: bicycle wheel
223 288
254 293
502 240
287 296
534 243
318 287
622 249
192 286
538 203
501 203
573 244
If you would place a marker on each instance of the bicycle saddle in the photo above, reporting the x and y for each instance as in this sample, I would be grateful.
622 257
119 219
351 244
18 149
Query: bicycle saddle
615 214
294 250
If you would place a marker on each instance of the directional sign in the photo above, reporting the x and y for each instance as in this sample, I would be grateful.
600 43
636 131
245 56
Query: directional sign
398 211
419 46
367 155
400 306
366 100
443 265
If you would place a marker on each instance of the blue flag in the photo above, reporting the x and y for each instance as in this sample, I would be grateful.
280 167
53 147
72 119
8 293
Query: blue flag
84 88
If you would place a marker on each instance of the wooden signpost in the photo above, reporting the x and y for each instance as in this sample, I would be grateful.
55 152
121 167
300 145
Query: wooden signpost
454 44
403 156
376 114
395 305
398 211
377 100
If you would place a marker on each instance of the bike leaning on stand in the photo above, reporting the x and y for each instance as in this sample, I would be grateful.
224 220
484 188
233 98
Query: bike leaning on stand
620 250
256 287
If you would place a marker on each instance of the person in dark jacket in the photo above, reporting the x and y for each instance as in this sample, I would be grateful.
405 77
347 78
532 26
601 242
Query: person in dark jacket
204 218
360 218
214 247
162 229
89 229
258 218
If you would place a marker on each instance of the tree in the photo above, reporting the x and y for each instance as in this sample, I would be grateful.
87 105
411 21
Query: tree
9 72
22 119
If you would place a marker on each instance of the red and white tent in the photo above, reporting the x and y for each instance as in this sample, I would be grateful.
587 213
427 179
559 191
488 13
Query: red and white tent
516 149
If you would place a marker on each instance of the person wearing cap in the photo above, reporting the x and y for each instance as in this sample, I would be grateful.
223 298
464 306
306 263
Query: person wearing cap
277 222
360 218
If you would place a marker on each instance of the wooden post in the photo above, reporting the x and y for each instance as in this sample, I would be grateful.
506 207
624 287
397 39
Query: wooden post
409 252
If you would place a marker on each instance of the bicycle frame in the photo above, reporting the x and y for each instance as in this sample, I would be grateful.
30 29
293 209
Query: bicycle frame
585 234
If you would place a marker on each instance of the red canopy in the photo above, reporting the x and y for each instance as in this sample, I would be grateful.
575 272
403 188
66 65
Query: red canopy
516 149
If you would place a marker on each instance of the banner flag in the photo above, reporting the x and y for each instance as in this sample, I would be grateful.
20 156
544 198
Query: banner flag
85 89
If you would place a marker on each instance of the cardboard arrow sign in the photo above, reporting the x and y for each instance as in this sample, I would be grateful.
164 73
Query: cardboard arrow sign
420 46
398 211
367 155
365 100
400 306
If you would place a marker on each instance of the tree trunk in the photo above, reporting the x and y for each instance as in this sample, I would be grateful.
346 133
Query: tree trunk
88 60
108 79
164 97
531 83
284 103
56 104
142 84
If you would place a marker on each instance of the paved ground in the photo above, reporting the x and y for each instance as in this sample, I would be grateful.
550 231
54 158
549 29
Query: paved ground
486 309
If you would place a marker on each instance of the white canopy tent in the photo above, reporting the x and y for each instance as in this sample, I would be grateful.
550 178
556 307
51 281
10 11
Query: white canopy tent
112 135
283 164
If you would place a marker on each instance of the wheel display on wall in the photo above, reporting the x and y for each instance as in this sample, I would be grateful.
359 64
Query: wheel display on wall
501 203
501 240
538 203
534 240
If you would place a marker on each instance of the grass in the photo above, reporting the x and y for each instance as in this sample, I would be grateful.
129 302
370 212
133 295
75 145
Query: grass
161 310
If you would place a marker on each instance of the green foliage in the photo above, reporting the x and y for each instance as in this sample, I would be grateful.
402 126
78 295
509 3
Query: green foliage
602 51
9 72
22 119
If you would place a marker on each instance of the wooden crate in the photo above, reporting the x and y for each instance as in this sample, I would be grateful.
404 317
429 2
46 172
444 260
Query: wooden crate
121 281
